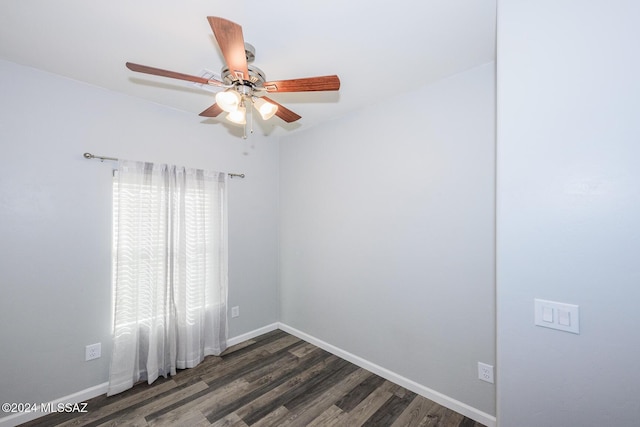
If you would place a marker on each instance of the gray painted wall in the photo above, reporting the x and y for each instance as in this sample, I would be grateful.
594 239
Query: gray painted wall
387 234
568 216
55 221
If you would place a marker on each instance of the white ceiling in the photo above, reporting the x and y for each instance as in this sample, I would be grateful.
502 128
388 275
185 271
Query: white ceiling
376 47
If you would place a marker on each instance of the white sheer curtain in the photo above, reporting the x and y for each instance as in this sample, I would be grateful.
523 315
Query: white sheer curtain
169 270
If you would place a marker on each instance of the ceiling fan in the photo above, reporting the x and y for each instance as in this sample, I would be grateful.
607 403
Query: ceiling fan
243 85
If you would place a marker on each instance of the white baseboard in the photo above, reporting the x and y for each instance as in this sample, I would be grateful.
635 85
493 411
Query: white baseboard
78 397
446 401
251 334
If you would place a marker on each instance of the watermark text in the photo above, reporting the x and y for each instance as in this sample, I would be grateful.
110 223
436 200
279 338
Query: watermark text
44 407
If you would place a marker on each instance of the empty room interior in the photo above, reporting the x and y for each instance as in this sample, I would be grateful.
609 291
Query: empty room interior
454 208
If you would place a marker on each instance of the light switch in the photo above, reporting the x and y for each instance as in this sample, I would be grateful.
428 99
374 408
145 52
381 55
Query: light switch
564 318
557 315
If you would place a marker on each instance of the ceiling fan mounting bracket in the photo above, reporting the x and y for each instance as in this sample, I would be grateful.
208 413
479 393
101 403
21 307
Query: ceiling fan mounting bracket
249 52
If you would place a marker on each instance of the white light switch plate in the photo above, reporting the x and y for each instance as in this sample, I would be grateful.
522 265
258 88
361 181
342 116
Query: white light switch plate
557 315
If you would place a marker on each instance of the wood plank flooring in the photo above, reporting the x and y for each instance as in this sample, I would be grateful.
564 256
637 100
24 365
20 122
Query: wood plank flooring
273 380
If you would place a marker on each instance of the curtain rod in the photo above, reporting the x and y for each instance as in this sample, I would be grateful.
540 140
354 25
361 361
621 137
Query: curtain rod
115 159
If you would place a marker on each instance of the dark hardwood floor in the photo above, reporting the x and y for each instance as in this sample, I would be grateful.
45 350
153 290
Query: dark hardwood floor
273 380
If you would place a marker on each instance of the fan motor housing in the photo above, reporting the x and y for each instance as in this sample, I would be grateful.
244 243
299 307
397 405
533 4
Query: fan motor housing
256 76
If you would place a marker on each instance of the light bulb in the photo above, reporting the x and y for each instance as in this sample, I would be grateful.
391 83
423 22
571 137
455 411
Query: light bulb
229 100
266 109
239 116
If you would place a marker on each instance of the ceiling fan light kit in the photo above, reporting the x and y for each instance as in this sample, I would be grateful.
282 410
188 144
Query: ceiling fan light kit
266 109
228 100
239 116
243 84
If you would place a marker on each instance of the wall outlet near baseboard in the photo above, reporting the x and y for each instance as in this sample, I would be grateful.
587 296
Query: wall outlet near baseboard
235 311
92 351
485 372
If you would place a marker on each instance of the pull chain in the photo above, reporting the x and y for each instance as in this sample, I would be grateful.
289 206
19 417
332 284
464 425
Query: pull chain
251 117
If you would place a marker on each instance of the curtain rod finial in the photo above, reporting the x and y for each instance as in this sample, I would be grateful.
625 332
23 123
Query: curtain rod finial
88 156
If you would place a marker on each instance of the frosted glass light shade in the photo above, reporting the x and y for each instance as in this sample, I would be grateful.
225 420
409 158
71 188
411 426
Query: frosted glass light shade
239 116
266 109
229 100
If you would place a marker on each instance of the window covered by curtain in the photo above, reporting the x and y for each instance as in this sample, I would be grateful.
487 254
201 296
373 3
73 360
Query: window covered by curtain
169 270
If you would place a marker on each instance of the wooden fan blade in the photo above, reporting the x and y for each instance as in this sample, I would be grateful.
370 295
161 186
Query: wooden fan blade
212 111
308 84
283 112
231 42
172 74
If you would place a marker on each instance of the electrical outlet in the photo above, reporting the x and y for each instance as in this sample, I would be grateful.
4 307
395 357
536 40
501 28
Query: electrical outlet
485 372
235 311
92 351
